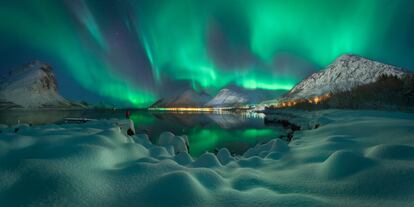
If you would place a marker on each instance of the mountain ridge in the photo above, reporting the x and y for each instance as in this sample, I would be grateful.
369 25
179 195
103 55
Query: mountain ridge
345 73
32 86
189 98
227 98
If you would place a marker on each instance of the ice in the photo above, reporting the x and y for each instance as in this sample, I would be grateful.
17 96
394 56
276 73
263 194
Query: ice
355 158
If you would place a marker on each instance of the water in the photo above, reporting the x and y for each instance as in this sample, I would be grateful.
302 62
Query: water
206 131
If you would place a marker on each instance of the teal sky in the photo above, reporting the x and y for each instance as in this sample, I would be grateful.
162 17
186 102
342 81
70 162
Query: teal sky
134 52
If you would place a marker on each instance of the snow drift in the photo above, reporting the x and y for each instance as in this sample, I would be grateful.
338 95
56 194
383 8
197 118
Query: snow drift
362 158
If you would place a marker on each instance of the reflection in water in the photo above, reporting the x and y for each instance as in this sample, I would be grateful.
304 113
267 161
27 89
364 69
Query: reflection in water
228 121
206 131
36 117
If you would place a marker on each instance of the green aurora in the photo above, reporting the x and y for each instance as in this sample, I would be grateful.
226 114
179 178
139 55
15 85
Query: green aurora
179 40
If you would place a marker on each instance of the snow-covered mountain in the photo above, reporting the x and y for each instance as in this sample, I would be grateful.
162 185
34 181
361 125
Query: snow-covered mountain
256 96
31 86
227 98
188 98
347 72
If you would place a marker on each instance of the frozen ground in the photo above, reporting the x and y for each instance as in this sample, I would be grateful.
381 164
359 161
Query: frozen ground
355 158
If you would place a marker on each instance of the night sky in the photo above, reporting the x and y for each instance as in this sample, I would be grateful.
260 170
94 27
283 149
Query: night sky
134 52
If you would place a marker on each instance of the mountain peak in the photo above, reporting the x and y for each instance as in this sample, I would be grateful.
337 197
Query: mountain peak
227 97
37 63
345 73
32 86
346 60
348 56
188 98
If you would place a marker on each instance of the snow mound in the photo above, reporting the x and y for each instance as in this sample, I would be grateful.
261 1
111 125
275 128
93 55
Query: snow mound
275 145
224 156
179 188
344 163
207 160
395 152
178 143
361 158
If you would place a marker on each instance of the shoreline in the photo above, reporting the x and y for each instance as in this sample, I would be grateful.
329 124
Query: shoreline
355 154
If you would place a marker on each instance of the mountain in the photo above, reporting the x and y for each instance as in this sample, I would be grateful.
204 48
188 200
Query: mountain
188 98
256 96
228 98
232 96
32 86
347 72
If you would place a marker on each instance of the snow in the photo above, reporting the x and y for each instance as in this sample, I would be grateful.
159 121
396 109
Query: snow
226 98
188 98
35 80
355 158
125 125
178 143
347 72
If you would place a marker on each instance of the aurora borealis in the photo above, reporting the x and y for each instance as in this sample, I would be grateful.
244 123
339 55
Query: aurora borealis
135 52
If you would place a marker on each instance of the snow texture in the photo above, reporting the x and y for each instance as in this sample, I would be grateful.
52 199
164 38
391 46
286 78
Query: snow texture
188 98
347 72
357 158
227 98
31 86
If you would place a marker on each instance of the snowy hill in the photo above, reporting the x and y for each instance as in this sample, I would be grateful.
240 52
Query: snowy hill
347 72
31 86
188 98
227 97
354 158
256 96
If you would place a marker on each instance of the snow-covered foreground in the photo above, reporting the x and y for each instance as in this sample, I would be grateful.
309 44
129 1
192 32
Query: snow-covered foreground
355 158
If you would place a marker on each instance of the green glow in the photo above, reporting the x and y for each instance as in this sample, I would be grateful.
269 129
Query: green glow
143 119
88 20
182 52
48 27
253 82
254 133
176 37
202 140
151 59
318 29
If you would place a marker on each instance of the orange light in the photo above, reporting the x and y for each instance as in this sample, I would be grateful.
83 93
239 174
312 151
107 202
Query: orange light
312 100
184 109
